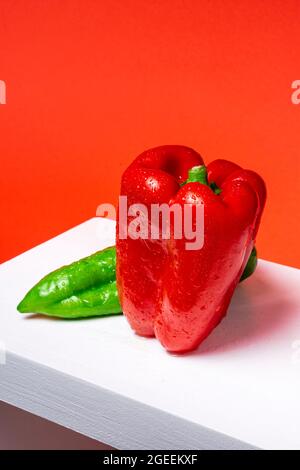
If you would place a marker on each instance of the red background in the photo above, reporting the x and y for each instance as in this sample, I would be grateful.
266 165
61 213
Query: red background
90 84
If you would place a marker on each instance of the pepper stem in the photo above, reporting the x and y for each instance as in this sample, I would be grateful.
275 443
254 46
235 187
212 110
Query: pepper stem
197 174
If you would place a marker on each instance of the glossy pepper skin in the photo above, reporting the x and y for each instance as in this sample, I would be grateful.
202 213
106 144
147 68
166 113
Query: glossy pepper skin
84 288
175 294
50 296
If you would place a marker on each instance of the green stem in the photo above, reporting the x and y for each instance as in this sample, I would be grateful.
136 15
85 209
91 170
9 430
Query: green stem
197 174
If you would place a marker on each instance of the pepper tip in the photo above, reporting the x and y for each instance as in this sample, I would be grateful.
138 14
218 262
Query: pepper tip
22 307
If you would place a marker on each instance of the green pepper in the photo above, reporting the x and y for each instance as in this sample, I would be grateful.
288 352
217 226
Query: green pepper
86 288
250 266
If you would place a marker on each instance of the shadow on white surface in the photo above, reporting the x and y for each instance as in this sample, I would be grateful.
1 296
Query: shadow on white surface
246 323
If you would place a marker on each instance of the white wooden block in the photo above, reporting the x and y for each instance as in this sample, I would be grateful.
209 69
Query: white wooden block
240 389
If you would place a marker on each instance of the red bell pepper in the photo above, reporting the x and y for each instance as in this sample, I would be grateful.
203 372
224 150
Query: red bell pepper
165 290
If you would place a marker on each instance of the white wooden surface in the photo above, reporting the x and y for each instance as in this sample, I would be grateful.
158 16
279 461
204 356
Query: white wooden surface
241 389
